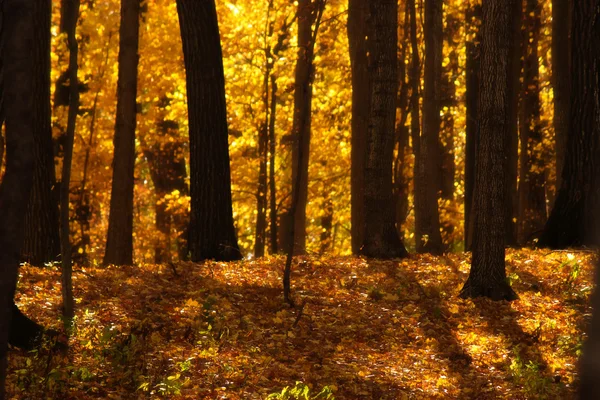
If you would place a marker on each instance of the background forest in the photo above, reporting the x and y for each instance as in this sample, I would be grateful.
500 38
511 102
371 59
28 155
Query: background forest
180 148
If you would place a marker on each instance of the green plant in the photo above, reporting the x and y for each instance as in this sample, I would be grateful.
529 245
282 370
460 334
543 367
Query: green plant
301 391
573 268
528 374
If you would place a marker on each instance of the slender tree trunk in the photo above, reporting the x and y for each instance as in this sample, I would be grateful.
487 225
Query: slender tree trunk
119 244
261 192
42 242
415 79
511 158
576 211
532 182
212 231
361 91
273 226
488 275
304 77
18 97
67 289
561 59
380 236
427 166
473 17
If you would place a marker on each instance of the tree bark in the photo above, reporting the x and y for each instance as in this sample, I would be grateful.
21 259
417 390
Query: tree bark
561 60
42 242
381 238
573 220
532 176
212 231
427 166
119 243
487 276
18 97
361 91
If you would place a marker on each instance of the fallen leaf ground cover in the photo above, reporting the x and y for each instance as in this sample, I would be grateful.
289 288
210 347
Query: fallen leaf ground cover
364 329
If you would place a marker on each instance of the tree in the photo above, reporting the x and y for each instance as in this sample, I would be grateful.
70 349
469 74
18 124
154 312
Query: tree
361 92
381 238
560 79
17 41
487 276
427 167
532 176
211 231
119 243
573 219
42 242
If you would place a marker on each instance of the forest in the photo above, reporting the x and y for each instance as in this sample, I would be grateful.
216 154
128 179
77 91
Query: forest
308 199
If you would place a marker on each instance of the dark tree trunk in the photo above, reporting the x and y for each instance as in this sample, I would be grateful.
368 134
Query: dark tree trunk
361 91
42 242
427 166
511 158
381 238
576 212
261 192
18 97
561 60
488 275
119 244
415 79
273 226
532 181
167 170
473 17
304 77
212 232
67 289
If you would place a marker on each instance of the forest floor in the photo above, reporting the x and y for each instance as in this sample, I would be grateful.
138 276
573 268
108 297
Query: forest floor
366 330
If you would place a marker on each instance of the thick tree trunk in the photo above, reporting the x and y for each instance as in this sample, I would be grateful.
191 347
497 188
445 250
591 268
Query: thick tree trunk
532 181
488 275
381 238
361 91
18 97
561 60
473 16
304 76
576 212
119 243
212 232
427 164
42 242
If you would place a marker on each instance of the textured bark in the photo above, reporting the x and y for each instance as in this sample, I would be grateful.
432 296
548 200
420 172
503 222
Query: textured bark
211 232
532 175
168 173
561 56
304 77
17 55
42 242
427 166
381 238
473 16
361 91
576 212
487 276
119 243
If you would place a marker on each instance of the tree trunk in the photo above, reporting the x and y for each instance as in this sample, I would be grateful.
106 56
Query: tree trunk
18 97
561 60
361 90
511 158
119 243
304 76
488 275
532 181
211 232
381 238
576 212
261 192
473 16
273 226
427 164
42 242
